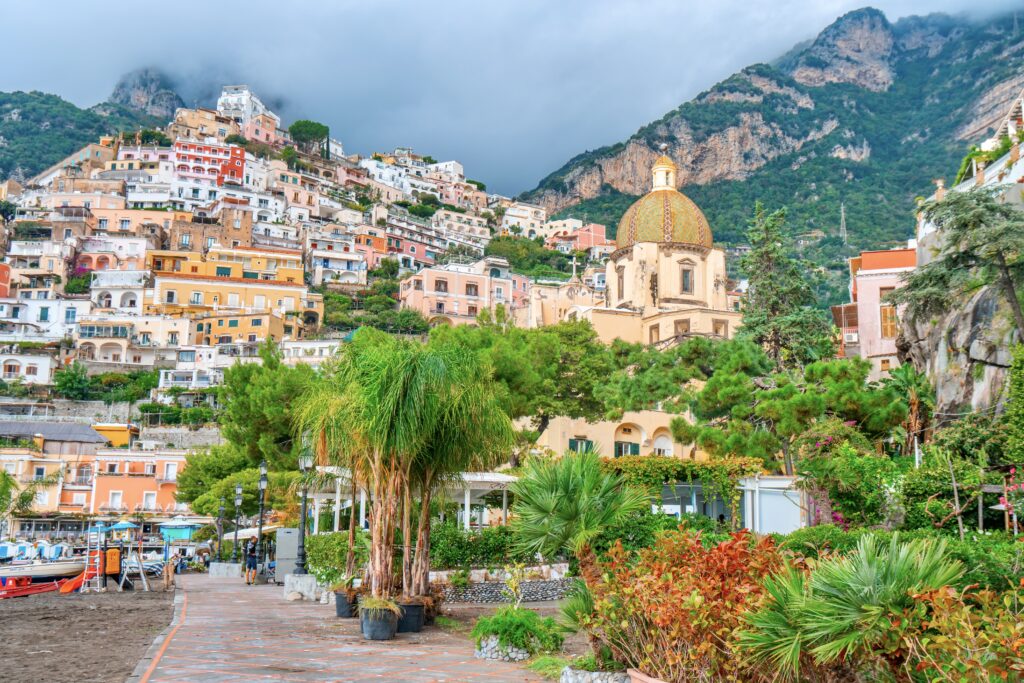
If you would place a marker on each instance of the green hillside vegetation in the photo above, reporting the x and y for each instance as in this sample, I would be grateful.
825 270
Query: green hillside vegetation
910 130
38 129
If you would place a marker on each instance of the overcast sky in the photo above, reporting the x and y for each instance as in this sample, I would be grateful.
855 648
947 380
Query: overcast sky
512 89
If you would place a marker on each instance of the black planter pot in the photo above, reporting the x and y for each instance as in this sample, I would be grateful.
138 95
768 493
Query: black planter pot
378 624
344 607
412 618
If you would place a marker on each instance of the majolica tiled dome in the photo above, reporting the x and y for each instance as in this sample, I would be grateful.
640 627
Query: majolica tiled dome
664 214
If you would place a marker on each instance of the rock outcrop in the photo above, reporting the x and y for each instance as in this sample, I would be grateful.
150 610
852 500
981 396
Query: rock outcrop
965 353
148 91
856 49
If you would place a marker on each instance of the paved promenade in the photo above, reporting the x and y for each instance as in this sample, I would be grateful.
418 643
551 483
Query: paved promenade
227 631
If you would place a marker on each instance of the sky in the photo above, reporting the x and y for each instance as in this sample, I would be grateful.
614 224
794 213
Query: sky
513 90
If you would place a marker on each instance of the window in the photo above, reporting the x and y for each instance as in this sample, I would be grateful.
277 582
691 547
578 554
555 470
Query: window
102 225
44 314
172 338
417 285
78 499
580 445
887 314
69 315
223 271
682 327
257 322
112 468
125 224
472 310
186 239
210 241
471 290
441 286
687 280
654 334
232 323
171 296
621 281
720 328
885 364
116 499
31 371
171 471
196 298
39 473
626 448
499 293
42 497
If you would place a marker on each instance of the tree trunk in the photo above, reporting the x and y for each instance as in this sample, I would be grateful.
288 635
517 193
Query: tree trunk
421 565
787 460
407 588
1010 291
350 556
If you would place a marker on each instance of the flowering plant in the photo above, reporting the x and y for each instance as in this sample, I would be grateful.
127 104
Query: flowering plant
1014 497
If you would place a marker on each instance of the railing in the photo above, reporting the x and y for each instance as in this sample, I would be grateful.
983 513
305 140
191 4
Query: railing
160 481
113 508
29 478
79 481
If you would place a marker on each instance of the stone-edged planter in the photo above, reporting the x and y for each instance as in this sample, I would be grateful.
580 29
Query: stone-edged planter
490 648
344 607
378 624
640 677
495 592
571 675
412 618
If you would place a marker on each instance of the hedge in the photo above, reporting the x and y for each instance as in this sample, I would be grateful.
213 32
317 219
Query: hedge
990 560
325 555
452 547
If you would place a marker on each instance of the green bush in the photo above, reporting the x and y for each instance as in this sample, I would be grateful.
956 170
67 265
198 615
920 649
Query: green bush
990 560
326 553
521 628
452 547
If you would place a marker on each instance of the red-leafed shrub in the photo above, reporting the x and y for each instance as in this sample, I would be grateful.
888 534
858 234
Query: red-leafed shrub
672 610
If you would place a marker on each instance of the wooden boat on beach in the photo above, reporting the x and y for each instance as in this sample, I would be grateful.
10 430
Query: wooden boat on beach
42 570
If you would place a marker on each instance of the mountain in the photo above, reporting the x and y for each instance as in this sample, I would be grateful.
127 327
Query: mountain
867 115
148 91
39 129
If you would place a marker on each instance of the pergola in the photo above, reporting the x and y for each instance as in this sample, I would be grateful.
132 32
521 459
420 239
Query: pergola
470 489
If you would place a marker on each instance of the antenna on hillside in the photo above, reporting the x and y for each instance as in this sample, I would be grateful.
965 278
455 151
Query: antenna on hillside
842 224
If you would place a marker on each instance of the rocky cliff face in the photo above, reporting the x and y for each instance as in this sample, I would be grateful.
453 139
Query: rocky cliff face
965 353
148 91
869 113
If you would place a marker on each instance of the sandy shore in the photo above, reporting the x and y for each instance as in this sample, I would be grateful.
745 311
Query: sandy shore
89 637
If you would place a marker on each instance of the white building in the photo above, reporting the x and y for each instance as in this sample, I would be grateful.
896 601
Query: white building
122 291
40 320
241 104
27 367
521 218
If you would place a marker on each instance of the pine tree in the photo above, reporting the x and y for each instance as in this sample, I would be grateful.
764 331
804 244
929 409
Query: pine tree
778 311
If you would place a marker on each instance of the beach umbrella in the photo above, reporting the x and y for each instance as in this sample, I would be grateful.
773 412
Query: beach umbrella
121 526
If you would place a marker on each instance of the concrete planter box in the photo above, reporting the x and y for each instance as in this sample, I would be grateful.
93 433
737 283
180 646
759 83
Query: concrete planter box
490 648
571 675
303 584
226 570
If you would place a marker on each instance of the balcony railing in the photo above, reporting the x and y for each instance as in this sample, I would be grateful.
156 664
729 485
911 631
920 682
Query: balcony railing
79 481
113 508
166 480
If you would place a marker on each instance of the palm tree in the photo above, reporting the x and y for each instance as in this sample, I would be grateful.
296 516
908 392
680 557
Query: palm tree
18 500
843 612
920 397
565 504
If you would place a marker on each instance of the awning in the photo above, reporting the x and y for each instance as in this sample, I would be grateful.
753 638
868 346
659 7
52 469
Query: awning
249 533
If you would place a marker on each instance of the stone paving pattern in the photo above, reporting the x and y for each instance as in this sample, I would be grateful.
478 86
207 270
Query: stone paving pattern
232 632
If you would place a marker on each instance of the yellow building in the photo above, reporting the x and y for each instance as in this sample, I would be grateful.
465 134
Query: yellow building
666 279
644 432
229 282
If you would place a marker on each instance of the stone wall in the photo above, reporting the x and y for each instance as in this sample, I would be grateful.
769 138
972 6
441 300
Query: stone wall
493 591
182 437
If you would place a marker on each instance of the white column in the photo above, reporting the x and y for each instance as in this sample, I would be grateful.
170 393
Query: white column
316 515
337 504
504 507
362 508
465 510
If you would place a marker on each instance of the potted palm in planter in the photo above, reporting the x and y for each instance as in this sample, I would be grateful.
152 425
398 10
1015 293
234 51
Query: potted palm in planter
413 615
346 598
378 618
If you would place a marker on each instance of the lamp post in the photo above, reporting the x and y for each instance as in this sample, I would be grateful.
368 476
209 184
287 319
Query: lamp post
259 524
238 505
305 464
220 528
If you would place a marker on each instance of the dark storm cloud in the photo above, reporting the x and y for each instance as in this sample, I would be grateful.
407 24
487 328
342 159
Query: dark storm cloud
512 89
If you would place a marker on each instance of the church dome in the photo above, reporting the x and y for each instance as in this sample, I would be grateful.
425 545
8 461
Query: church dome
664 214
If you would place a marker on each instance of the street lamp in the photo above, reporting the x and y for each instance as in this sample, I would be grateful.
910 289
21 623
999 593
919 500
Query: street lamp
238 505
259 525
220 528
305 465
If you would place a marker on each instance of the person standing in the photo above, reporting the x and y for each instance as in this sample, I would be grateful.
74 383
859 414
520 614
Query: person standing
250 562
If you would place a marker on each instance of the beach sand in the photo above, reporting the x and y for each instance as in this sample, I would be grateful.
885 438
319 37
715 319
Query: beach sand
83 638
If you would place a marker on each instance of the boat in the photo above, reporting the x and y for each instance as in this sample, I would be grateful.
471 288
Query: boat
18 587
42 570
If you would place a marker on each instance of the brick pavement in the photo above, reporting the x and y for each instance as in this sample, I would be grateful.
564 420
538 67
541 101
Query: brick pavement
231 632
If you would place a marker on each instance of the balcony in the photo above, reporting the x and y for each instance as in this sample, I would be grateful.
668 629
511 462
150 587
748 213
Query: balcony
79 481
113 508
29 478
160 481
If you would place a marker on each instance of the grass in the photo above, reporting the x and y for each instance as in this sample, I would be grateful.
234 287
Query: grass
449 624
548 666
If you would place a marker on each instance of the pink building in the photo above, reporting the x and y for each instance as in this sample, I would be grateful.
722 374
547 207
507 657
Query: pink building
868 324
591 238
210 161
264 128
454 294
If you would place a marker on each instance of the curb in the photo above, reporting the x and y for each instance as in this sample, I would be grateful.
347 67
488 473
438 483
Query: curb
140 673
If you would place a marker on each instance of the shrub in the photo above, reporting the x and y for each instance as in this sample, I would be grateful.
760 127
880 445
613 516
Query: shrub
994 561
850 612
326 553
673 610
520 628
453 547
860 486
